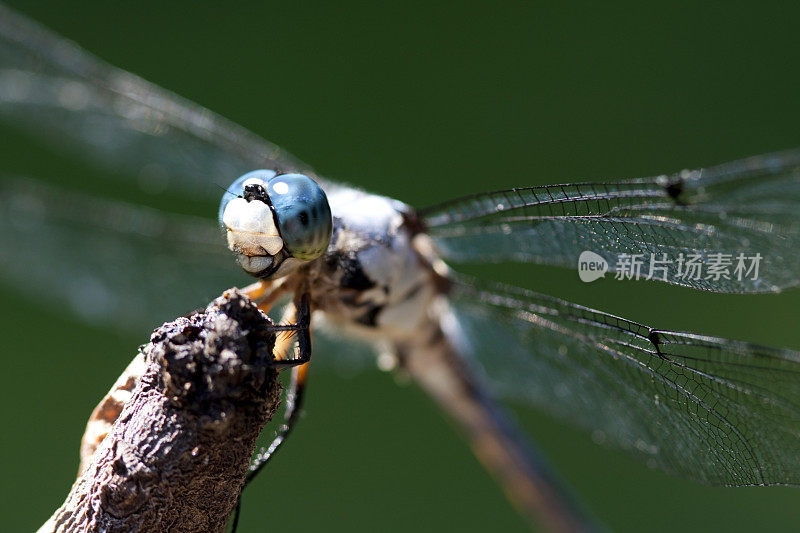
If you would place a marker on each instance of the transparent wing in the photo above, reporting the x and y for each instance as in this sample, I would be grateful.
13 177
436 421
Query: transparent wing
110 262
714 410
60 93
126 266
731 219
114 263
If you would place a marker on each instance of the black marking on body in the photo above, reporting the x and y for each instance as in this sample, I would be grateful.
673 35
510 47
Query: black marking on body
370 316
413 291
256 192
413 222
353 275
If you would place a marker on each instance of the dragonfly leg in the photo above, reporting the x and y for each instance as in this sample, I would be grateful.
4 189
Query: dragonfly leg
298 326
264 293
299 312
256 290
294 403
294 324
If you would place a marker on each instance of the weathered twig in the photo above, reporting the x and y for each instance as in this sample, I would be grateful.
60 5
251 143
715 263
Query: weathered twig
176 458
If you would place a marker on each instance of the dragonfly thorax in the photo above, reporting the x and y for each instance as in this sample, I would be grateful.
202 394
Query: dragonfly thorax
275 222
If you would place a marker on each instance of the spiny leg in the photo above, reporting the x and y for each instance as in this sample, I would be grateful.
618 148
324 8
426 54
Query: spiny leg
300 314
294 398
294 324
294 404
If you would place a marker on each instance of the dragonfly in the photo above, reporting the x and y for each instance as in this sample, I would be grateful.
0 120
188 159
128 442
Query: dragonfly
359 269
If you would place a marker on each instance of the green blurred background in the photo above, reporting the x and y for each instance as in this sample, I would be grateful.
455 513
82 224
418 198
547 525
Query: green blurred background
422 102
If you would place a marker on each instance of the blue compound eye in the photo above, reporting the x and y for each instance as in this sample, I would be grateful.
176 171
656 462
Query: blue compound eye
304 216
236 189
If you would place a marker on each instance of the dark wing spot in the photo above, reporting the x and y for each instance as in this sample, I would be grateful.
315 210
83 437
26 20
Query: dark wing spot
303 216
674 188
655 339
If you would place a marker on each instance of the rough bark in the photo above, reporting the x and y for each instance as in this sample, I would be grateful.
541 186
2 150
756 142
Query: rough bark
176 458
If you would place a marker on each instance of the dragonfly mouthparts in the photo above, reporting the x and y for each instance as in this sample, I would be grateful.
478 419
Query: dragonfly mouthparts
255 264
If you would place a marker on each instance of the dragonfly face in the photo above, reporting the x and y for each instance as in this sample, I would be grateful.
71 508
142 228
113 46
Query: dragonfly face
274 223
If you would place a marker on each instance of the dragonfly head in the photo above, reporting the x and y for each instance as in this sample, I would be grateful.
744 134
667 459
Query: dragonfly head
275 222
